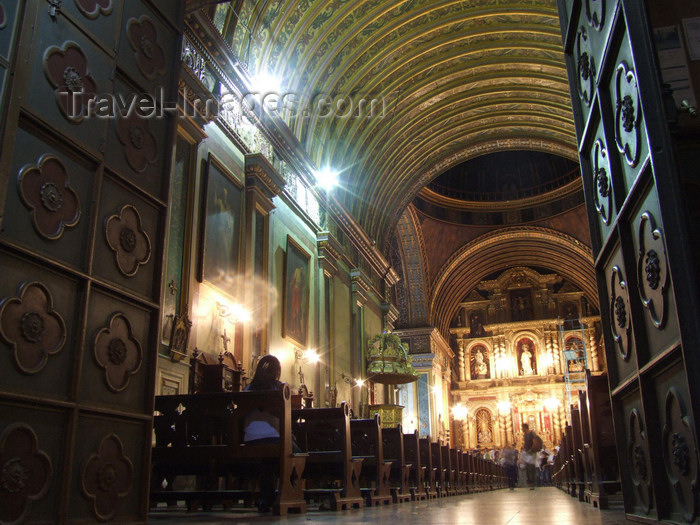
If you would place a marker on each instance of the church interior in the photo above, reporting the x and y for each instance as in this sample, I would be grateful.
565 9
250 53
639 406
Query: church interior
445 218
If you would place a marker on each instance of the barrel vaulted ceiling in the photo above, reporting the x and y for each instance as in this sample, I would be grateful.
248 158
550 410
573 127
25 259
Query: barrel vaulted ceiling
458 79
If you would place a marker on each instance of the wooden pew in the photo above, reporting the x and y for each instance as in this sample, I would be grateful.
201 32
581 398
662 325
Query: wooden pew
605 475
456 462
416 477
577 452
426 458
331 472
393 445
440 469
450 470
366 437
203 434
585 446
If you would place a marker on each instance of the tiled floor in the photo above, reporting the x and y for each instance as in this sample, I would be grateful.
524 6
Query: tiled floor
544 506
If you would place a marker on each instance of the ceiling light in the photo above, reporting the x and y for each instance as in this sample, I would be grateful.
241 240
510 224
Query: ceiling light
327 178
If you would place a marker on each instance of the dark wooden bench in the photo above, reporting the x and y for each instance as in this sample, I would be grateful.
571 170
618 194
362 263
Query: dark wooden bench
366 436
450 471
203 435
577 453
605 474
426 458
440 470
393 445
331 473
416 476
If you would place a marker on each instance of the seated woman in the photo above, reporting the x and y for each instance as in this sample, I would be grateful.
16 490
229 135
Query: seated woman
262 428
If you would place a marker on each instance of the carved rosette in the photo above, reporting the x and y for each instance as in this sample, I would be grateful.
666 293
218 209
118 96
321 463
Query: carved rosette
681 454
107 478
595 13
128 240
143 38
628 114
602 181
638 457
92 9
46 192
118 352
30 325
25 472
652 269
620 312
66 69
140 146
585 63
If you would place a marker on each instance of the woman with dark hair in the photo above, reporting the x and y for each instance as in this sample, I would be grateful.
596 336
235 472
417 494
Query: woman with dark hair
262 428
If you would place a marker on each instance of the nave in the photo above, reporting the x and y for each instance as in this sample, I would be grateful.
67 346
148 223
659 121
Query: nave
543 506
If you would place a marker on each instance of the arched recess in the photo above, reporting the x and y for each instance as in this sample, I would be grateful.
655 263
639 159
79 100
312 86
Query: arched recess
414 269
502 249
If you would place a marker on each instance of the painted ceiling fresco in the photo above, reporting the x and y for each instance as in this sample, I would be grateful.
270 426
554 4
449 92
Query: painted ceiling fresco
450 80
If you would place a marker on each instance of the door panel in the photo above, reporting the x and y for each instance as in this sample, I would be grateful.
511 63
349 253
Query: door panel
83 208
643 250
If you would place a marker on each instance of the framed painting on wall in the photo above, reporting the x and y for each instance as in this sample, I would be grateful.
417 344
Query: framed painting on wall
295 318
221 224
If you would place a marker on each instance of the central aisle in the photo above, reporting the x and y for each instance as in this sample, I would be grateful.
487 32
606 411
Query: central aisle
544 506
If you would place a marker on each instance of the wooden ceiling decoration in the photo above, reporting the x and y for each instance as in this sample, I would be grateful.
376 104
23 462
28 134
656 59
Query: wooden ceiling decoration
458 78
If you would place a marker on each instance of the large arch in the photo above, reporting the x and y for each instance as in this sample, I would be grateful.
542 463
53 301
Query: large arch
503 249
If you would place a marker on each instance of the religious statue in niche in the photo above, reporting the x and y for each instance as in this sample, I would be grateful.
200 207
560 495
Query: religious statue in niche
521 305
479 362
526 357
575 345
484 426
476 326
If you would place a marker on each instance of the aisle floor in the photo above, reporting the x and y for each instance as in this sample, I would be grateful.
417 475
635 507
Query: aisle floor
543 506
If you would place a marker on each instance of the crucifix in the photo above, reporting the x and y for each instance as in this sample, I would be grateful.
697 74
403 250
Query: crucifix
301 376
226 340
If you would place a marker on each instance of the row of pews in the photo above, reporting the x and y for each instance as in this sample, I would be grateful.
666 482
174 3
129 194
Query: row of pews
586 466
343 462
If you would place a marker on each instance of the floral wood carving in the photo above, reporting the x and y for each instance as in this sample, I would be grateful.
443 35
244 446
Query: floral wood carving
107 478
118 352
603 184
67 71
143 38
586 66
140 146
680 453
652 269
628 114
25 472
595 13
620 308
46 192
94 8
32 327
127 239
638 457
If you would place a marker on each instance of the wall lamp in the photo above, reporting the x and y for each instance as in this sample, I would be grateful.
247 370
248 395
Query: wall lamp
306 356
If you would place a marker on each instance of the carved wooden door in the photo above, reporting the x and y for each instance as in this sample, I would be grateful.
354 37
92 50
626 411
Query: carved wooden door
83 200
644 253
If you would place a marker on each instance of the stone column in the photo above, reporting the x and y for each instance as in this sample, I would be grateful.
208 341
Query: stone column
593 346
556 353
466 441
460 358
550 353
